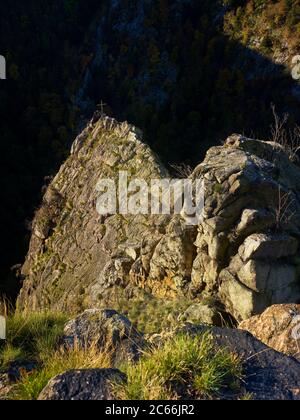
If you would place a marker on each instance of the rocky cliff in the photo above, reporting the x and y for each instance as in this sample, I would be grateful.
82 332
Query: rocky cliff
244 252
173 68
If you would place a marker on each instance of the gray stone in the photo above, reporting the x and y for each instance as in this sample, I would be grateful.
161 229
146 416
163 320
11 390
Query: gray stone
240 301
262 246
108 330
82 385
266 277
202 314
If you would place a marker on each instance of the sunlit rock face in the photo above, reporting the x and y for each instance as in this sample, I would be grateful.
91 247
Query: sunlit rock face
243 252
248 244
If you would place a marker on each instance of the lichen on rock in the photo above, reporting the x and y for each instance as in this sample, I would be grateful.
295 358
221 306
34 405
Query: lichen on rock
249 240
278 327
243 253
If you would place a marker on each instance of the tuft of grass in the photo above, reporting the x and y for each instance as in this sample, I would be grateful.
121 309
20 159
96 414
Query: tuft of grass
10 354
36 337
183 367
222 371
31 384
31 337
247 397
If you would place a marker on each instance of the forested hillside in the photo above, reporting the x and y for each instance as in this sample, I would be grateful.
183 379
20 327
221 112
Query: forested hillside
187 72
272 27
41 41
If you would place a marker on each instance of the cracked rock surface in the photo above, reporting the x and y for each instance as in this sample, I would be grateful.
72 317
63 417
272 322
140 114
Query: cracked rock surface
244 252
278 327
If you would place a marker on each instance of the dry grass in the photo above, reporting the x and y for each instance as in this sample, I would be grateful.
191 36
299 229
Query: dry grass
182 171
287 138
36 337
5 306
285 209
56 363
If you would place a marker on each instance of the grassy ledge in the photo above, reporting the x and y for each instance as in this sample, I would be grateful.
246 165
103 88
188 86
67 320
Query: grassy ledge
182 367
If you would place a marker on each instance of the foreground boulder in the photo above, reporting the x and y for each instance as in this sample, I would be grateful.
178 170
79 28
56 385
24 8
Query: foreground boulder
108 330
82 385
268 374
244 252
278 327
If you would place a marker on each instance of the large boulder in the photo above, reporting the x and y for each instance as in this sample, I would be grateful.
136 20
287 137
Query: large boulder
82 385
248 242
106 329
78 259
278 327
244 252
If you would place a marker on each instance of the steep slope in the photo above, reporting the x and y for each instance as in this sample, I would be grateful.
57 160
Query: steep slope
269 27
185 73
71 246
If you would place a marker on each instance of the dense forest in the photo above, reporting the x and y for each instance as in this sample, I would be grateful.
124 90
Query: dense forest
187 72
40 41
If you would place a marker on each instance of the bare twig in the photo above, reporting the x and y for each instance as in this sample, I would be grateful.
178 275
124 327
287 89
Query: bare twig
284 213
288 139
182 170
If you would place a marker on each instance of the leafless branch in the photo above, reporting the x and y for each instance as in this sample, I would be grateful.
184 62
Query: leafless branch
182 170
284 212
288 139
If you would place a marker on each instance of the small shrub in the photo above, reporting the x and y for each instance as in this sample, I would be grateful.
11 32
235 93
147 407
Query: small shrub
285 209
182 171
